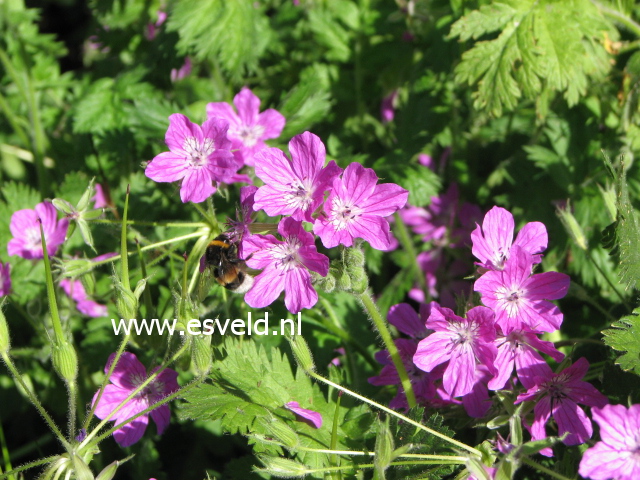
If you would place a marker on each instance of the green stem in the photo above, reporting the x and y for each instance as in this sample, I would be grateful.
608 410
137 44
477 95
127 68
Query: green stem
537 466
409 247
123 244
5 451
73 396
608 280
34 400
51 294
390 345
618 17
22 468
151 224
371 465
394 413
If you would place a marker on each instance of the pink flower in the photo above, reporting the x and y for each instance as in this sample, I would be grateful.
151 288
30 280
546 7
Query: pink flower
616 455
558 395
199 156
517 297
356 208
75 290
285 265
248 129
463 342
5 279
128 374
25 228
100 198
182 72
520 347
387 108
492 243
294 187
309 416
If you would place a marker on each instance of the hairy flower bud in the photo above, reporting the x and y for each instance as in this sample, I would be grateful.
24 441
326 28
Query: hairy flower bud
302 353
65 361
572 227
353 257
201 354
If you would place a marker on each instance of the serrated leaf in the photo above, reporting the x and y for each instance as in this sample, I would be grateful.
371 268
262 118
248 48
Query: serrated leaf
624 336
542 45
627 229
234 33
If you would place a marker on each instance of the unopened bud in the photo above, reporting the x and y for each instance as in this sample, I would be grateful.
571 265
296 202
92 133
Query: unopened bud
65 361
359 281
109 472
282 467
344 281
327 284
572 227
126 302
302 353
353 257
283 433
201 354
5 341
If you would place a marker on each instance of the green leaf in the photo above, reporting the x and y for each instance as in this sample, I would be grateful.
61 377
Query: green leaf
624 336
542 45
626 229
234 33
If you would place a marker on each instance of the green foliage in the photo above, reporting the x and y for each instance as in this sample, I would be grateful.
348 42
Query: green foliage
234 33
624 336
542 47
623 237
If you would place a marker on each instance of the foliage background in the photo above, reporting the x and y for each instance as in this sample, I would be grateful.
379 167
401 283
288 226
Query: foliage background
525 96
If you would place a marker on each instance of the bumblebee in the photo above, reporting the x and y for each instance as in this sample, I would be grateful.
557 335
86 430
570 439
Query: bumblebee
221 256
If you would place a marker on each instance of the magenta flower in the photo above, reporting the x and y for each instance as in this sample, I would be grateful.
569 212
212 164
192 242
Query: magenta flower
286 265
356 208
25 228
520 347
294 187
199 156
308 416
517 296
182 72
387 107
5 279
558 395
463 342
616 455
492 243
248 129
75 290
128 374
100 198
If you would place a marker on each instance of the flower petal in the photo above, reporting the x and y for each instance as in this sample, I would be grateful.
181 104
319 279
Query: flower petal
314 417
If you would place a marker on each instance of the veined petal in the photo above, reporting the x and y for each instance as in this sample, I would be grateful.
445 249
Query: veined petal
329 236
196 186
314 261
298 291
273 123
547 286
404 318
603 462
387 198
314 417
432 351
248 106
572 419
532 237
266 288
373 229
504 362
181 129
128 372
270 200
224 111
459 377
162 417
130 433
358 183
167 167
274 169
307 155
493 242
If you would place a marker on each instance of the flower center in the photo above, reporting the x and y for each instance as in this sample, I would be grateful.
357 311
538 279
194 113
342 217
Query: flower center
250 134
300 195
343 213
286 254
511 299
33 239
198 153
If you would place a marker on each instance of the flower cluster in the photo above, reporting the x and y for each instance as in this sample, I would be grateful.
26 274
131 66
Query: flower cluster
453 359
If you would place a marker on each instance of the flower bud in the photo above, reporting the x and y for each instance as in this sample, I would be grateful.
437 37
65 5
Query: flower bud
283 433
126 302
353 257
109 472
327 284
359 281
572 227
344 281
5 341
201 354
282 467
65 361
302 353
